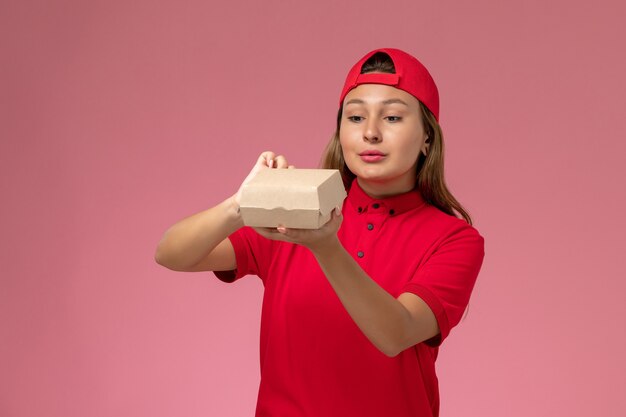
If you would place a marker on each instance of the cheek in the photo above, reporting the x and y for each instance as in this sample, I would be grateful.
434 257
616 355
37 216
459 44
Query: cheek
407 150
343 139
411 150
349 134
343 144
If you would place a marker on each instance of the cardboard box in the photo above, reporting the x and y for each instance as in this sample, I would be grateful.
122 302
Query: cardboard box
293 198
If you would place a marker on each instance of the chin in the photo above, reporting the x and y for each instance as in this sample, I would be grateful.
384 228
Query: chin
378 174
368 175
369 171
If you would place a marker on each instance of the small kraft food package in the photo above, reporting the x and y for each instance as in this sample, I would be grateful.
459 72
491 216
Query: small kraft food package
292 198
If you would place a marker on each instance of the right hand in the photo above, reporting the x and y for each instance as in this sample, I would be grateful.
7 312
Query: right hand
267 160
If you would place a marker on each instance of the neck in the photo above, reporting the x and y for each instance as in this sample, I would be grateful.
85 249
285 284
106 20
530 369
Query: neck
380 190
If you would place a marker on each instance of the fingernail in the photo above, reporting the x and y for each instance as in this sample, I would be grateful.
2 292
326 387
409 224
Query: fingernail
338 210
281 229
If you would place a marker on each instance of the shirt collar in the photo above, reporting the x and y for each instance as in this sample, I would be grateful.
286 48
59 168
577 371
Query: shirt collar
362 203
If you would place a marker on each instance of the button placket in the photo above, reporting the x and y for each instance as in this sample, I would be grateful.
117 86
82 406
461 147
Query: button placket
372 221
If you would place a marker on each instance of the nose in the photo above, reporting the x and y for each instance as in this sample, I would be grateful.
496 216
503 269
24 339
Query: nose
372 132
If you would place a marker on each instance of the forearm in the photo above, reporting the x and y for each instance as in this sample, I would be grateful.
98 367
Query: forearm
381 317
190 240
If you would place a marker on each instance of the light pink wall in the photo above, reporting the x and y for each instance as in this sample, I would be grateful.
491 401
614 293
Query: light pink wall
119 118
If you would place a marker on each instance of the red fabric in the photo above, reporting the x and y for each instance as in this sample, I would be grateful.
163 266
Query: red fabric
411 76
315 361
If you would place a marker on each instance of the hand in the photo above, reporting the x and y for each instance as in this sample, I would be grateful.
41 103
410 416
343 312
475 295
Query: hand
267 160
314 239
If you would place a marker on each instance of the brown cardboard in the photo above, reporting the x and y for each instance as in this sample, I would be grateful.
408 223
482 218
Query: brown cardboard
293 198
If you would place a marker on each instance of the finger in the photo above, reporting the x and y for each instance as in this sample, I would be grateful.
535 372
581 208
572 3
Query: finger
281 162
335 219
266 158
291 167
294 235
265 230
272 233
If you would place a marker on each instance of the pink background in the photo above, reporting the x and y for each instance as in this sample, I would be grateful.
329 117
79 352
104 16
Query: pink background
119 118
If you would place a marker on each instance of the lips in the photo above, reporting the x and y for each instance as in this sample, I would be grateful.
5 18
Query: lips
371 152
371 155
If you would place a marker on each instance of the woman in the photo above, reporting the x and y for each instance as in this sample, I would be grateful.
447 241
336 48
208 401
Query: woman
354 313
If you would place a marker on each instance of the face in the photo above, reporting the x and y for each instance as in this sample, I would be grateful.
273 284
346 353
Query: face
381 135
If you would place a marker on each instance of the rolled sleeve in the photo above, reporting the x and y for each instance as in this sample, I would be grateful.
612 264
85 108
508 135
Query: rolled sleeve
446 280
249 247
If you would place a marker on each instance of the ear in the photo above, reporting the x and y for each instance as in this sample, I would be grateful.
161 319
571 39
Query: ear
426 145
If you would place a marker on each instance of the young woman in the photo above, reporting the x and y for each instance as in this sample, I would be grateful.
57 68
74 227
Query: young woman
354 313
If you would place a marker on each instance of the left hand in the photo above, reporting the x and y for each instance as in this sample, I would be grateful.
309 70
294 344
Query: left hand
312 239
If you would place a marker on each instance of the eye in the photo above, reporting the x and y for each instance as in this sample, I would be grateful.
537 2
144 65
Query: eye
393 119
355 118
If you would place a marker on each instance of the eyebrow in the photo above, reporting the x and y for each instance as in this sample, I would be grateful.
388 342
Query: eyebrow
384 102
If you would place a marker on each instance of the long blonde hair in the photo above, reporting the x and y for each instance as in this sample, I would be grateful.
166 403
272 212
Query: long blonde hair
430 172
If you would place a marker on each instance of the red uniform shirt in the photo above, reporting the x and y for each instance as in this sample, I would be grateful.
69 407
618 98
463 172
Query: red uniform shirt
315 361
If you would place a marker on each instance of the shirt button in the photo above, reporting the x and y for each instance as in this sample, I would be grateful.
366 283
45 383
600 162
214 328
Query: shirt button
375 205
370 226
392 212
360 254
360 209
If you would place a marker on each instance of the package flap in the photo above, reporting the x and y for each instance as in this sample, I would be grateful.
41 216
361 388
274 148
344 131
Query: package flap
297 198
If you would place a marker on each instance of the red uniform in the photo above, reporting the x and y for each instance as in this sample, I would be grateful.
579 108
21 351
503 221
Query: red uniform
315 361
